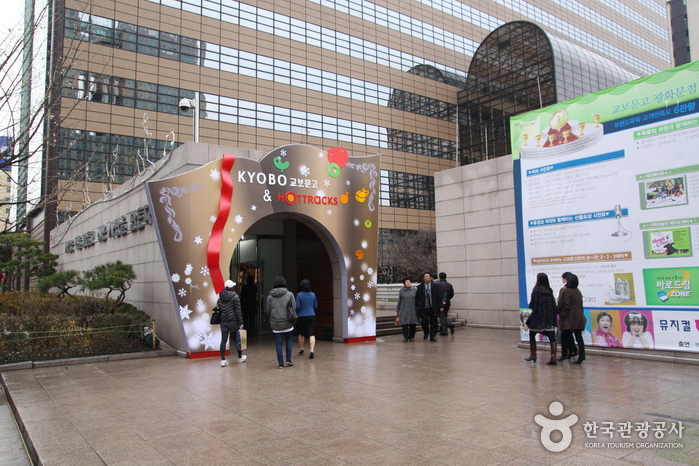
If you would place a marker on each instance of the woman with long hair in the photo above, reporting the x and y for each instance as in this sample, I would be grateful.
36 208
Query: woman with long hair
543 317
572 321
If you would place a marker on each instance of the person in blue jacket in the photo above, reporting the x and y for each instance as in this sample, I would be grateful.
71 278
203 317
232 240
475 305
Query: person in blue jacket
306 304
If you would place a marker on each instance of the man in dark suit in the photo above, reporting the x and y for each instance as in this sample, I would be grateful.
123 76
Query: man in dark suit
448 294
429 300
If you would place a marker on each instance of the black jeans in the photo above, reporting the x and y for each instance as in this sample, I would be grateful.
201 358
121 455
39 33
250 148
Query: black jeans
409 331
229 328
568 344
581 344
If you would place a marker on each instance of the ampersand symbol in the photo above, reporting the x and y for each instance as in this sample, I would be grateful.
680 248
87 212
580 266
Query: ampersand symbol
266 196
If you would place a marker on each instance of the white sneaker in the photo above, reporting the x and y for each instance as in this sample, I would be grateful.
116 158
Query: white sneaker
242 359
224 363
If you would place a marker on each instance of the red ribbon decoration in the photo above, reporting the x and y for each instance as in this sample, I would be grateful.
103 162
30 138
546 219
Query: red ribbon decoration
213 249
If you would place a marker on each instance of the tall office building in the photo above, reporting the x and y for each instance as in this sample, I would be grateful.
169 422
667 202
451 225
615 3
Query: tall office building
374 77
684 29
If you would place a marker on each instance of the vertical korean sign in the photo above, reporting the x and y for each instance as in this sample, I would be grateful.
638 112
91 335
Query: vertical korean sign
608 189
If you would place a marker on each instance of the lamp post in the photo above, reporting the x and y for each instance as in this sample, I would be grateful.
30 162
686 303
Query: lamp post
186 104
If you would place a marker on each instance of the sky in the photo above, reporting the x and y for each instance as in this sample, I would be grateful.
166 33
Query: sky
11 26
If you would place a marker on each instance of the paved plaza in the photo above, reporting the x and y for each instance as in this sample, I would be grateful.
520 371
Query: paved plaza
467 399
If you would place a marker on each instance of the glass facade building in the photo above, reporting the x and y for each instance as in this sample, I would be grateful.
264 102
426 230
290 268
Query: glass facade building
387 77
521 67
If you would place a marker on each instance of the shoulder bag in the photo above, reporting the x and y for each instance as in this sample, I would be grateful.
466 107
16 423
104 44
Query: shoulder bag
215 316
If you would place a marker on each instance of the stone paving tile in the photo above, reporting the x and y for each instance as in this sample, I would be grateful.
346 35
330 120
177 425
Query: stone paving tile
467 399
11 447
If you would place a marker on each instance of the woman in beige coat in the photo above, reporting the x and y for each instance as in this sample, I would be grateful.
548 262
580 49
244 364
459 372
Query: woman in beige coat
572 319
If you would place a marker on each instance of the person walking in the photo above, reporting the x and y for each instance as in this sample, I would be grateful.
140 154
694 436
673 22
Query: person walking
543 317
572 319
443 315
573 350
306 304
429 300
406 310
231 320
281 308
248 301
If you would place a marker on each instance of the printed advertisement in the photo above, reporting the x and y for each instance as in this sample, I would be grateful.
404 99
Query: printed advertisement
609 190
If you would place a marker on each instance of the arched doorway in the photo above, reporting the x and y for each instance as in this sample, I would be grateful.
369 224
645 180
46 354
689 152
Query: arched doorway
296 248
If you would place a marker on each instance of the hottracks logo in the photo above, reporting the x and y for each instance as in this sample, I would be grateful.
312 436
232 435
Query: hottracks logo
292 198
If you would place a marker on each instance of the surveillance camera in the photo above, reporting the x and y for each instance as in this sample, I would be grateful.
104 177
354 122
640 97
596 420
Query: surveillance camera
186 104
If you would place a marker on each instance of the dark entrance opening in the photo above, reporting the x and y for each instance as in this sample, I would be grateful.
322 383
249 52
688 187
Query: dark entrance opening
284 245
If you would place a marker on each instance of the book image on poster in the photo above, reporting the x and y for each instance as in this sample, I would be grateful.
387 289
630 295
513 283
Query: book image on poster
664 192
675 242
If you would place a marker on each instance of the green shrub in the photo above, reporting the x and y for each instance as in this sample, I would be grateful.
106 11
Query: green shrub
40 326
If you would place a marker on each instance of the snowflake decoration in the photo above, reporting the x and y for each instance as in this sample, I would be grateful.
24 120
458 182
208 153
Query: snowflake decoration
366 297
361 277
215 174
175 277
253 207
370 284
204 270
200 302
238 219
365 244
212 219
330 212
326 183
351 312
182 292
198 239
357 296
188 281
188 269
321 193
185 311
230 240
283 153
353 287
207 340
347 182
370 271
305 171
363 310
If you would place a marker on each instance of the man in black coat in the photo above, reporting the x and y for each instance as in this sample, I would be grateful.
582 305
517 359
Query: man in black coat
448 293
429 300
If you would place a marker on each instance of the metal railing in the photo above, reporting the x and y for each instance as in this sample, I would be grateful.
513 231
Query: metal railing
20 346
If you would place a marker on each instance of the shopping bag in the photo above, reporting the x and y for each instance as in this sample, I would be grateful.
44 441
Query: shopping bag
243 339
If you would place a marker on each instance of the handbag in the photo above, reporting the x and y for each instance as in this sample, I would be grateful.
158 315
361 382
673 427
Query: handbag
215 316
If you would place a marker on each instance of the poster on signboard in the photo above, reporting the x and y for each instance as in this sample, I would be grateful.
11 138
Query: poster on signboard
609 190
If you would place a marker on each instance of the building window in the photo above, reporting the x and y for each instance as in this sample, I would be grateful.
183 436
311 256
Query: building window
406 190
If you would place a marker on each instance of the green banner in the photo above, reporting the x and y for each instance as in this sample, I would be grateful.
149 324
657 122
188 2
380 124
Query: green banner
671 286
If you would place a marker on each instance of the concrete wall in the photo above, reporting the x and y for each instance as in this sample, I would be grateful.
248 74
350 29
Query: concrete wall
477 240
150 291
